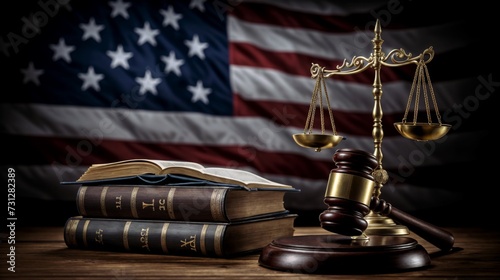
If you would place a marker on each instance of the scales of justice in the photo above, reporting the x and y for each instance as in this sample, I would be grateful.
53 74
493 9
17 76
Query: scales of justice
368 235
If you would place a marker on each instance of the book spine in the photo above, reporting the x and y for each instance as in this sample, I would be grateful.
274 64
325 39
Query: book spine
149 237
153 203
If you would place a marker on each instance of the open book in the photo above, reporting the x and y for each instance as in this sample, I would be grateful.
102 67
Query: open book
134 167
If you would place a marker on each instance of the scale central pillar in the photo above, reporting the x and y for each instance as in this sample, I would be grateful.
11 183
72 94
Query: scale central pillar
380 225
377 224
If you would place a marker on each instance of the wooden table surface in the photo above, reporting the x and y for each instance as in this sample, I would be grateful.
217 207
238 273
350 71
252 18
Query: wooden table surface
40 253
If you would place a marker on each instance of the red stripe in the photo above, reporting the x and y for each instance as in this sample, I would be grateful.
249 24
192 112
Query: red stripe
245 54
75 153
271 15
83 152
391 15
295 115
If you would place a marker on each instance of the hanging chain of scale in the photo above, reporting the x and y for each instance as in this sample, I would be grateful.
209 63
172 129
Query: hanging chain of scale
422 131
308 139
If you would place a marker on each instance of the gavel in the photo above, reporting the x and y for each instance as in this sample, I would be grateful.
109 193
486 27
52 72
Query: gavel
349 197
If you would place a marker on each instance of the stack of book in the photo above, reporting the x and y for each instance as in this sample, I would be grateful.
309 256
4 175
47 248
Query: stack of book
176 208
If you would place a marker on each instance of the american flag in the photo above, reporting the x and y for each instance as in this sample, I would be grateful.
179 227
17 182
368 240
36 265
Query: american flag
227 83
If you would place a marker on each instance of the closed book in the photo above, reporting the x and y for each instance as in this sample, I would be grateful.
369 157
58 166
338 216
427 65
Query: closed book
176 238
180 203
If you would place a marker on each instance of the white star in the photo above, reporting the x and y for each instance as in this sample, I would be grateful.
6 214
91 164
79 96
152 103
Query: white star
119 8
147 34
91 79
199 92
197 4
119 57
196 47
91 30
148 83
171 18
172 64
62 51
31 74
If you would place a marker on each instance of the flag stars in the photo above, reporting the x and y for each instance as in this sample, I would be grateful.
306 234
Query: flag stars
199 92
91 79
91 30
148 83
61 50
172 64
146 34
171 18
119 8
31 74
119 57
197 4
196 47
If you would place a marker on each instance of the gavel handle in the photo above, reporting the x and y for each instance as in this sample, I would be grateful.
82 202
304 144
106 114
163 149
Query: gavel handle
438 237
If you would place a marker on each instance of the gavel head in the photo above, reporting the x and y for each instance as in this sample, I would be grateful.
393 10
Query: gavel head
348 193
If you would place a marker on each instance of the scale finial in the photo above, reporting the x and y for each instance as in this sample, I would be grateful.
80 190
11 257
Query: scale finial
377 28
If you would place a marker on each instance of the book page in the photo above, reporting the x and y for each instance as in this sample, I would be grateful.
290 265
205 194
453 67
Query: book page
165 164
245 177
248 178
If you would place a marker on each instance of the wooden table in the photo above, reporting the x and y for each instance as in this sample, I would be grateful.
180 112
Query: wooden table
40 253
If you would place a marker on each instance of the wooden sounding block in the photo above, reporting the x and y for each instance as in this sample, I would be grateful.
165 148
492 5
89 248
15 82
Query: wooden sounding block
349 197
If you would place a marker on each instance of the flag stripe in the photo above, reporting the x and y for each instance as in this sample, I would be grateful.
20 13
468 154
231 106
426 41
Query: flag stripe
101 126
319 7
283 114
344 17
297 64
329 45
253 83
80 153
249 55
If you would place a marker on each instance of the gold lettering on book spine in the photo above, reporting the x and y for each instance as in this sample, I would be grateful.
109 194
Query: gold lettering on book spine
125 235
71 232
81 200
144 239
189 243
219 232
216 204
164 231
133 202
146 205
84 233
170 204
118 202
161 204
102 201
99 237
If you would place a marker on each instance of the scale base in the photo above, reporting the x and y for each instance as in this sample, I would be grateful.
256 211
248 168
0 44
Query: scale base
382 225
338 254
